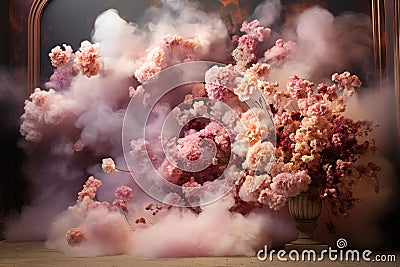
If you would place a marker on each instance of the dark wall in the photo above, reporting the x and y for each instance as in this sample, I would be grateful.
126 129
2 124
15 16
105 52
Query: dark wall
4 33
4 61
13 77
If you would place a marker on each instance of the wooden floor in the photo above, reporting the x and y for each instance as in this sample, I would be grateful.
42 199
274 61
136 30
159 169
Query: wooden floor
37 255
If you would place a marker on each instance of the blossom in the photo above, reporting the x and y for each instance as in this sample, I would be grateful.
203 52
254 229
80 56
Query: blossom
89 189
124 193
242 56
60 57
108 166
298 87
254 184
250 44
75 236
220 82
199 90
346 80
245 87
274 200
156 55
147 71
260 156
255 31
290 184
172 40
189 146
87 59
258 71
280 52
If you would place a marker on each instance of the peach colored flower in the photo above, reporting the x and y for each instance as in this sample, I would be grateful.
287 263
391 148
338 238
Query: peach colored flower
147 71
87 59
75 236
156 55
259 71
60 57
260 156
108 166
245 87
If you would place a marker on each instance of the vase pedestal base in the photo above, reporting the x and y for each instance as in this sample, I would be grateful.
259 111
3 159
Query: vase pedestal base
318 247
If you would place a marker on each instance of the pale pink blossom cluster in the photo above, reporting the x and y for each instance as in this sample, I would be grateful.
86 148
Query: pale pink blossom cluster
255 31
242 56
274 200
87 59
274 192
79 145
59 57
291 184
189 146
255 125
220 82
280 52
299 87
75 236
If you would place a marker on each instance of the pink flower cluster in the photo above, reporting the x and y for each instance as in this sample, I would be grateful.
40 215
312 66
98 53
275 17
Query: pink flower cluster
173 49
280 52
346 80
59 57
87 59
87 197
147 71
75 236
89 189
290 184
255 31
220 82
248 44
191 146
122 195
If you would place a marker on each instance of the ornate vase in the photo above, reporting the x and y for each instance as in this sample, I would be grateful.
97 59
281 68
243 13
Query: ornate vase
305 209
